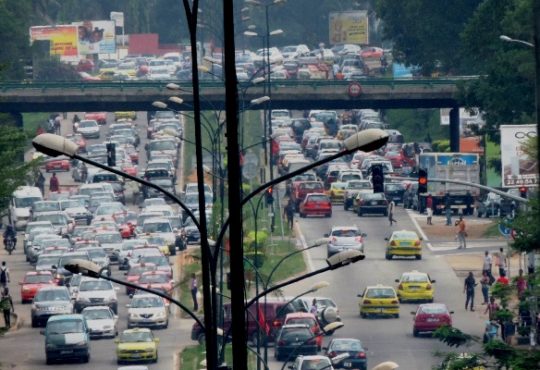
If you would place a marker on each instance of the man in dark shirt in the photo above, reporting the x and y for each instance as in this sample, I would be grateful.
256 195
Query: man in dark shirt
468 289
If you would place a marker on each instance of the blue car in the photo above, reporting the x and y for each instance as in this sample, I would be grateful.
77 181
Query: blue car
357 358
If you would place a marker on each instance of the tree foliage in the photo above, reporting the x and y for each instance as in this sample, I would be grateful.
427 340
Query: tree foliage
13 170
527 228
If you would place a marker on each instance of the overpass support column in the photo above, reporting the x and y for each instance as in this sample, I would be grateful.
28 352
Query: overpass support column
454 129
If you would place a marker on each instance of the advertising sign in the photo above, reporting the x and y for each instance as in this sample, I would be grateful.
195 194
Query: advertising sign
96 37
518 168
63 39
118 18
349 27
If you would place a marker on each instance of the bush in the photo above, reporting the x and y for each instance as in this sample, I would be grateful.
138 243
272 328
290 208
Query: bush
441 145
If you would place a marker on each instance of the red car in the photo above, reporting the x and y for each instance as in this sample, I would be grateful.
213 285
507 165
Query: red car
129 168
34 281
396 158
158 280
309 319
431 316
100 117
372 52
57 165
316 204
135 272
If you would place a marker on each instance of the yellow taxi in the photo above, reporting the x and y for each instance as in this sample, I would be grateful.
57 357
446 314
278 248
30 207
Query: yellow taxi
337 191
379 300
415 286
136 345
157 241
404 243
126 115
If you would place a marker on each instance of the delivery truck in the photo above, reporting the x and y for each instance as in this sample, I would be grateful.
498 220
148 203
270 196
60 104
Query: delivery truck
453 166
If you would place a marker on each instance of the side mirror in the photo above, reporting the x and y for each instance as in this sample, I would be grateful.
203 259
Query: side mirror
397 280
433 281
413 313
125 273
360 295
326 235
363 235
385 238
451 312
156 340
421 238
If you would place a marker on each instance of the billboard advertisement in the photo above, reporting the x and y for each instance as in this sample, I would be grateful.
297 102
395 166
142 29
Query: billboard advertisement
349 27
518 169
96 37
63 39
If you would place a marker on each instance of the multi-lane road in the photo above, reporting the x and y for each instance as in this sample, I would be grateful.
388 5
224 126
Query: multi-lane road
386 339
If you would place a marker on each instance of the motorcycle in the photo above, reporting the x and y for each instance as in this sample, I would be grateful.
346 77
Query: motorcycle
10 244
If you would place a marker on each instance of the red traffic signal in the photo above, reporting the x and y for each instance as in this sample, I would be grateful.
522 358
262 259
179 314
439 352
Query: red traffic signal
422 181
523 191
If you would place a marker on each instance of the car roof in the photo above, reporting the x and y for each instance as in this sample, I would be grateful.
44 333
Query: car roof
300 315
379 286
348 227
66 317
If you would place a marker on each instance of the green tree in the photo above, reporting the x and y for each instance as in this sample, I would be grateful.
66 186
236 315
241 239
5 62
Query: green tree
14 171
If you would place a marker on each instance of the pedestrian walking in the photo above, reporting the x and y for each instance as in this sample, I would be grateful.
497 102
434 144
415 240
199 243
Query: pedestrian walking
501 262
289 213
448 209
57 124
429 209
468 289
4 275
391 207
468 203
194 290
492 327
6 304
486 266
461 232
313 308
40 182
521 284
484 283
491 308
54 185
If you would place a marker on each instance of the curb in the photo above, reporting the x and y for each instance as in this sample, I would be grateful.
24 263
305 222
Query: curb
300 237
177 364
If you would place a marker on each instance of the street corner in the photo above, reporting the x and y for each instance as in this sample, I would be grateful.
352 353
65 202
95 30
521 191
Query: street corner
462 264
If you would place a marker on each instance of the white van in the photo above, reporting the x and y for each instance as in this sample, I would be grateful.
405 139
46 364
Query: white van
22 200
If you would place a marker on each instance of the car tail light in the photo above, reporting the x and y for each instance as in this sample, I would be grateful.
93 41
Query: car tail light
276 323
361 355
332 354
367 301
428 287
358 239
395 301
334 240
400 287
281 343
311 341
417 243
393 243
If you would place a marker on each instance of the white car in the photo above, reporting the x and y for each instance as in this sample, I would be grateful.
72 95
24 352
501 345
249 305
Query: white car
342 238
89 129
312 362
96 292
101 321
147 310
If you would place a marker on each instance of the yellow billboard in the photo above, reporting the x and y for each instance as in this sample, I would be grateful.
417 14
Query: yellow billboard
63 38
349 27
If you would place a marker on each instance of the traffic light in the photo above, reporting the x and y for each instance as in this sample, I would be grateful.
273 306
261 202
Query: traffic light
523 192
422 181
269 196
111 154
377 178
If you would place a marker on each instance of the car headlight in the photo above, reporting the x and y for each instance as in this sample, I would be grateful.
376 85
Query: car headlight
25 289
51 346
133 315
80 344
160 315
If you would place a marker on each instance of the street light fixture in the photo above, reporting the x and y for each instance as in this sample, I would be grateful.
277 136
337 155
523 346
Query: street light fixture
509 39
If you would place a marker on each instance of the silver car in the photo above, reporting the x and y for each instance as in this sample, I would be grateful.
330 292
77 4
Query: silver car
343 238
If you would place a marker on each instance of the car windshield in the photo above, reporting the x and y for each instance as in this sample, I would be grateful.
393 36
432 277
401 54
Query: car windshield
46 206
318 198
346 345
137 270
345 233
47 261
417 278
26 202
52 295
97 314
405 235
109 238
55 243
435 309
373 196
157 260
156 240
161 145
65 327
65 259
136 337
380 293
146 302
86 124
311 186
157 227
97 253
55 219
316 364
302 320
95 285
296 334
153 278
392 187
71 203
37 279
359 185
323 302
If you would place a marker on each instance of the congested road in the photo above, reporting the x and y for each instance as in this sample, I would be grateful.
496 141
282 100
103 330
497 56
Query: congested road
385 338
24 348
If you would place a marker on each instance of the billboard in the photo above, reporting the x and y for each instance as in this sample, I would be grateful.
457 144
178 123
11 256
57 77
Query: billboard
518 169
63 39
350 27
96 37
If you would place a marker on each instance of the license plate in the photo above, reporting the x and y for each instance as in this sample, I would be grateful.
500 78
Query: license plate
373 202
414 288
67 352
347 364
432 320
136 355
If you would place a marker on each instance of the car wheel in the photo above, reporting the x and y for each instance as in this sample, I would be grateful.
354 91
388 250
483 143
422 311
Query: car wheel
415 333
166 325
115 307
329 215
385 214
302 215
396 316
119 362
34 323
156 359
479 214
363 315
418 256
48 361
360 214
388 256
86 358
345 206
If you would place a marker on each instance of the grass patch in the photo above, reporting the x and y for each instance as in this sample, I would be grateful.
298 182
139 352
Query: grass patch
289 267
193 355
31 122
493 150
492 231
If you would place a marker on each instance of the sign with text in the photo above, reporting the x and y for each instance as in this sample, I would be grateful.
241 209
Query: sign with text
518 168
349 27
63 39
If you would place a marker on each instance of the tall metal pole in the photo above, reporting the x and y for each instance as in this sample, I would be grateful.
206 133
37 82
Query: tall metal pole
239 337
269 108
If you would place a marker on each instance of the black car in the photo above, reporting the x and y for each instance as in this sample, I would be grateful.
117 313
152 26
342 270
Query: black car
357 353
294 340
394 191
371 203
